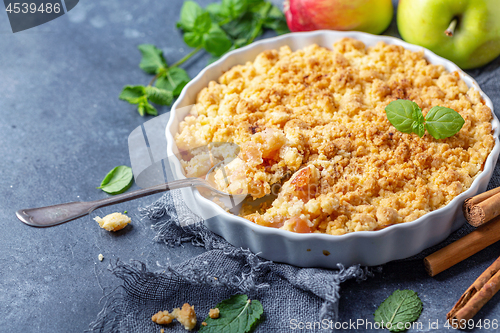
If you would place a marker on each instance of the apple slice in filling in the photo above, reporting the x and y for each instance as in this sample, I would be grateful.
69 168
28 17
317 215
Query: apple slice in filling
287 211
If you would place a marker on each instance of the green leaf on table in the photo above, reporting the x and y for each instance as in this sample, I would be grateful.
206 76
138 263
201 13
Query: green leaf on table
144 107
402 114
216 13
159 96
152 59
443 122
276 21
233 8
238 314
403 306
202 26
133 94
174 80
193 39
216 41
243 27
117 180
189 12
139 95
203 23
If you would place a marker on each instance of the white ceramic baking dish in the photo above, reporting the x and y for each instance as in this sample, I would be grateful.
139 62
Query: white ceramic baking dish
321 250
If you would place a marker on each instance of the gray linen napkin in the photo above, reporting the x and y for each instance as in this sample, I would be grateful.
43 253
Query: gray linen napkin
286 292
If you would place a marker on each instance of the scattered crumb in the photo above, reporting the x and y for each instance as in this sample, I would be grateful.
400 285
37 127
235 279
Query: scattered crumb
125 212
162 331
163 317
113 222
185 315
214 313
100 257
204 324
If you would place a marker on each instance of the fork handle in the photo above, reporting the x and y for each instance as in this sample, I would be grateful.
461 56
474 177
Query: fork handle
53 215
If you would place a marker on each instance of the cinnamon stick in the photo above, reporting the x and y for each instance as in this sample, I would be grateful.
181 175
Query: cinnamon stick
463 248
476 296
483 207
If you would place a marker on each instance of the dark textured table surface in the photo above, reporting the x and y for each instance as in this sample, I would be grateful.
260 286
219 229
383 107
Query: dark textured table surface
63 128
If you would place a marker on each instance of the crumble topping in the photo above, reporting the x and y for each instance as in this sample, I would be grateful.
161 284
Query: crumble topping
113 222
185 315
313 122
214 313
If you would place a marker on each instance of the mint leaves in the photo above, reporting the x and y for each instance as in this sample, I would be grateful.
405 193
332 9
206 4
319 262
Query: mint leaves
118 180
406 116
238 314
141 96
153 62
443 122
201 31
399 310
217 29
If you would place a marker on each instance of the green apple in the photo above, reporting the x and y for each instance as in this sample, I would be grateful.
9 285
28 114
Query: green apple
465 31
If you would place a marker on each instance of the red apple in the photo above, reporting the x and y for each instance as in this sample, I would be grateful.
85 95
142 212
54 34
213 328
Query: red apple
373 16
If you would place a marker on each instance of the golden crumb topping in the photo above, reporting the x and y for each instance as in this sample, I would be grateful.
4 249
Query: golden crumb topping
313 122
113 222
163 317
185 315
214 313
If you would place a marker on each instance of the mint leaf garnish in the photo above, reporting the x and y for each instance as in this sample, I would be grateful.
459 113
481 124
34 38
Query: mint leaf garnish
152 61
406 116
118 180
402 114
238 314
402 307
443 122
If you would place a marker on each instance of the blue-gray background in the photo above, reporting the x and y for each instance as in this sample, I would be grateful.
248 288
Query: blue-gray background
63 128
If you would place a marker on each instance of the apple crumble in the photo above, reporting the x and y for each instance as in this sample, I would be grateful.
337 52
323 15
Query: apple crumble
312 129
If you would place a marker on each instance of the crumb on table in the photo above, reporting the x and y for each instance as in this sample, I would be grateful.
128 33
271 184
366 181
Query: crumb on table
100 257
204 323
163 317
185 315
214 313
113 222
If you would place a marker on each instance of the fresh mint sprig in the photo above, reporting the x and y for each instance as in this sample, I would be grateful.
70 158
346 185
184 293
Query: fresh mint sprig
217 29
406 116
